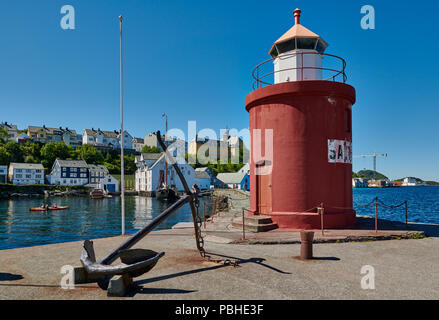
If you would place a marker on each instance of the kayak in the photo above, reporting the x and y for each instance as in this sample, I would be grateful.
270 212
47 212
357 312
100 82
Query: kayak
49 208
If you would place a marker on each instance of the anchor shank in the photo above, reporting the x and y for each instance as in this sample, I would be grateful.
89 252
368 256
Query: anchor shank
147 229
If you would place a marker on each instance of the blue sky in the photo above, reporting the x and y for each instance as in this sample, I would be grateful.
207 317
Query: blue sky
193 60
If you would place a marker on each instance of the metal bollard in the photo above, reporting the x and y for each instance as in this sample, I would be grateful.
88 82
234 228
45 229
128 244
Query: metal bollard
306 238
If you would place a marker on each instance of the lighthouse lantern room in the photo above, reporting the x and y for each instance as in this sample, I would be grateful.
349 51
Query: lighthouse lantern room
297 54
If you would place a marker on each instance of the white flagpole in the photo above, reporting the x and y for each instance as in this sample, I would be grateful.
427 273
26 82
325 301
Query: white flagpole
122 168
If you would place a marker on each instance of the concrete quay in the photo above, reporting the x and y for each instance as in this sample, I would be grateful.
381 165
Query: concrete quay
404 269
268 264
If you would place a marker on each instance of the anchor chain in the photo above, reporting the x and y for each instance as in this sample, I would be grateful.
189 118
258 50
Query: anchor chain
194 203
200 241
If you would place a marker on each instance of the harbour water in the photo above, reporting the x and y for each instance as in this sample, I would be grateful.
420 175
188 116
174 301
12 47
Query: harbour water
87 218
422 203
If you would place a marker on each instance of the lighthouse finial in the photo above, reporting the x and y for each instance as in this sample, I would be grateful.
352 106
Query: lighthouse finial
297 15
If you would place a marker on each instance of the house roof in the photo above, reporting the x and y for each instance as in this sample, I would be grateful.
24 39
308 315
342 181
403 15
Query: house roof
8 126
151 156
17 165
98 167
245 168
138 140
108 134
51 130
231 177
201 175
177 159
72 163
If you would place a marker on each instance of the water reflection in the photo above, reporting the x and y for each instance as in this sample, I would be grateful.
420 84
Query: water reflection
85 219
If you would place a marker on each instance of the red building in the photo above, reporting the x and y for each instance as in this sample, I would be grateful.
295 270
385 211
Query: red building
303 158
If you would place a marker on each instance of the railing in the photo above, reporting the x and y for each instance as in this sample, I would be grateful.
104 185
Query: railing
261 77
320 209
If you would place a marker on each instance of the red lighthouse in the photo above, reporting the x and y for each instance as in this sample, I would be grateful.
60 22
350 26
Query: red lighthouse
301 134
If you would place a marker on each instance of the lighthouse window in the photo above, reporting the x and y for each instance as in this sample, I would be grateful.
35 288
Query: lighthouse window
286 46
306 43
320 46
274 52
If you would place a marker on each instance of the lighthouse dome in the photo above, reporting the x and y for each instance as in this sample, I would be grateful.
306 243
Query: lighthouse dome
298 37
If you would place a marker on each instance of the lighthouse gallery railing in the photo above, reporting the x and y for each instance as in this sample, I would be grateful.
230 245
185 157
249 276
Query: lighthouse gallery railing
261 77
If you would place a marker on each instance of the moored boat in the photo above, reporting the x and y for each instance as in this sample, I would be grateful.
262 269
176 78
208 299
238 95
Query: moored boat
97 193
165 193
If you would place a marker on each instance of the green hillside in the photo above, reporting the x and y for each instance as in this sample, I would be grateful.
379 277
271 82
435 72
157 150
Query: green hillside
369 174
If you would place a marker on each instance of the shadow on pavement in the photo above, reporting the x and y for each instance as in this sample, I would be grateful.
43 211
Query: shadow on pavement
142 290
10 276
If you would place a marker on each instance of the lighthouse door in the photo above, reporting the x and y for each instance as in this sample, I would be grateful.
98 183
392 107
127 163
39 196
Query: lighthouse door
264 192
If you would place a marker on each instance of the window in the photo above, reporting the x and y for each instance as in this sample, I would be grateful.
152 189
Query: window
27 170
73 170
18 176
320 46
38 171
306 43
286 46
28 176
73 175
18 170
64 169
38 176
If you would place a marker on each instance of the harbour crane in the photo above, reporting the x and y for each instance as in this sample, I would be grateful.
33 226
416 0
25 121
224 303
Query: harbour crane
374 155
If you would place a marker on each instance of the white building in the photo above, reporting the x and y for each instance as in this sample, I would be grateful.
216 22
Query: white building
205 172
69 173
11 129
235 180
3 174
26 173
138 144
151 140
409 182
109 183
102 138
150 177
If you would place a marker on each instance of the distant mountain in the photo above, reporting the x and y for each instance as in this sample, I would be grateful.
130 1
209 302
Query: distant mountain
369 175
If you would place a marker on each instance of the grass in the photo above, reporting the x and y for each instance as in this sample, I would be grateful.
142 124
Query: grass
129 180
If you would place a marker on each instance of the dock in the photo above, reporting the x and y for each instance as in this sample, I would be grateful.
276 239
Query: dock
266 269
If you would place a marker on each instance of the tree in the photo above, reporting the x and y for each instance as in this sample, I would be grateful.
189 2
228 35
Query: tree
52 151
14 151
90 154
4 156
4 135
148 149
